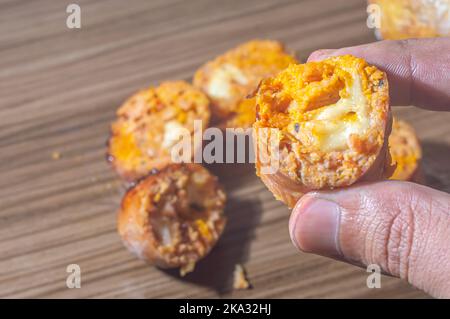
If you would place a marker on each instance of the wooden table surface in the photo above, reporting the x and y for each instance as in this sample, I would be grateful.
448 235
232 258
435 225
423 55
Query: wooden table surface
59 90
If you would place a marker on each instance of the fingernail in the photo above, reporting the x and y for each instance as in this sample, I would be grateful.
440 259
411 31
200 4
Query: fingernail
314 227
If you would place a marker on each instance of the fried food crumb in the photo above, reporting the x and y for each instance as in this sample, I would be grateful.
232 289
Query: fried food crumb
187 269
56 155
240 280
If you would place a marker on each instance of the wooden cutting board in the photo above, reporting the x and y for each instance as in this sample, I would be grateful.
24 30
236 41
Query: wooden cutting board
59 90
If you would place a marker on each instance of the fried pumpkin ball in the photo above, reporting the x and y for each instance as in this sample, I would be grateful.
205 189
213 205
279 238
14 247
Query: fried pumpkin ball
174 217
406 153
150 123
230 77
401 19
329 122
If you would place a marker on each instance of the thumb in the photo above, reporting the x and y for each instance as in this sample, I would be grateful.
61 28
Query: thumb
400 226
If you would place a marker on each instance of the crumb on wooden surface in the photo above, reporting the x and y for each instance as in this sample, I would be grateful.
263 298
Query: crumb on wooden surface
187 269
240 280
56 155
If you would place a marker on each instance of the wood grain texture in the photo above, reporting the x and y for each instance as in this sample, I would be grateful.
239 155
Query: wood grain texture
59 90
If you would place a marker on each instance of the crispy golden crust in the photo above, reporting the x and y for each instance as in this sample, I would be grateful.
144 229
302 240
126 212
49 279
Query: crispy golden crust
401 19
174 217
330 121
150 123
406 153
229 78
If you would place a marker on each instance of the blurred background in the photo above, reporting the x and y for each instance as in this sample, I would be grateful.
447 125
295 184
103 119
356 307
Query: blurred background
59 90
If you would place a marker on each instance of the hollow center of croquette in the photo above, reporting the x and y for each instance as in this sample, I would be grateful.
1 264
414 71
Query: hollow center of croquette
318 105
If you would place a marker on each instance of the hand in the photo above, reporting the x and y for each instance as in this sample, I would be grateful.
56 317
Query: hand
400 226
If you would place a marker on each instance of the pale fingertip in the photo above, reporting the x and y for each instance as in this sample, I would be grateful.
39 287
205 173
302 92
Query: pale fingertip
314 226
321 54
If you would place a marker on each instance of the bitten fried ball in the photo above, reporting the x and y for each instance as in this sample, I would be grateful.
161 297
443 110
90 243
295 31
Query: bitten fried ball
150 123
401 19
329 121
406 153
229 78
173 217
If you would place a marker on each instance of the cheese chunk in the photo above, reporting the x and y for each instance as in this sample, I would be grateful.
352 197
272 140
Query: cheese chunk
333 124
222 80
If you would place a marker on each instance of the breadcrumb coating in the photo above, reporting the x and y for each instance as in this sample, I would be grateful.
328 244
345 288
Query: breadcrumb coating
240 280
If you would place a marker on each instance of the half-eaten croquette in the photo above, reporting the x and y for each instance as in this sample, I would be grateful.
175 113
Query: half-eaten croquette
231 77
173 217
331 121
150 123
406 153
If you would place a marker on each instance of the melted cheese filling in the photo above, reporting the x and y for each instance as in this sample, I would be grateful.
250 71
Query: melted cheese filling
220 85
331 126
